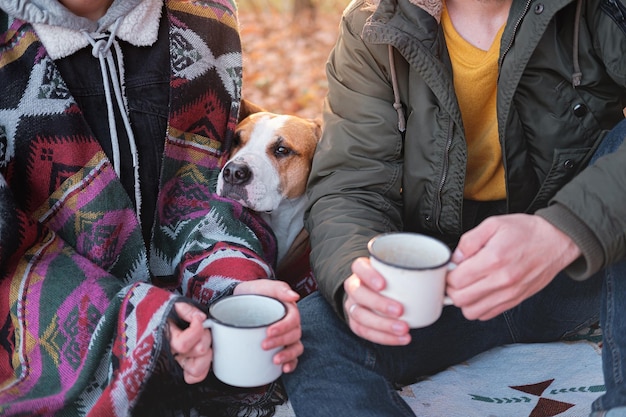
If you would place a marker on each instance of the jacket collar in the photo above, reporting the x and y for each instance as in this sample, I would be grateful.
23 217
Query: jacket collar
52 12
62 41
432 7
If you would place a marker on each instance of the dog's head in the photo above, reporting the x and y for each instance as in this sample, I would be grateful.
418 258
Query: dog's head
270 159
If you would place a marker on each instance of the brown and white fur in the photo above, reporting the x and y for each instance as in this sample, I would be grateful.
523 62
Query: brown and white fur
269 167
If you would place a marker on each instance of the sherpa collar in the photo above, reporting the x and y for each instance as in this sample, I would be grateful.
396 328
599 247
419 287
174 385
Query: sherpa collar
432 7
62 41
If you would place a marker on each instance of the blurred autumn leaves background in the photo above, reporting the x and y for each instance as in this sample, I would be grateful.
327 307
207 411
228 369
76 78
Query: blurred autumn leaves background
285 47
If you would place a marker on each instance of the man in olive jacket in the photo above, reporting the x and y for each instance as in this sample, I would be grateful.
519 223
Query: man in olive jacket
495 126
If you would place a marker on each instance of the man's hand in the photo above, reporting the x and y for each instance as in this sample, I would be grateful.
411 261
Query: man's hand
505 260
370 314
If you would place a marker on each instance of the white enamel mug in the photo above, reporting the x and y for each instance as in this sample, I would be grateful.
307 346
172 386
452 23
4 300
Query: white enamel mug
238 325
414 267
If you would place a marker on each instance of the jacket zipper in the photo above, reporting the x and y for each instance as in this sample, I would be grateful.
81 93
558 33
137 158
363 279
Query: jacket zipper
443 178
446 160
515 27
506 51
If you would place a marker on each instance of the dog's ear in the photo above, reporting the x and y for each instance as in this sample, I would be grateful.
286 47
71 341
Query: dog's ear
318 128
246 108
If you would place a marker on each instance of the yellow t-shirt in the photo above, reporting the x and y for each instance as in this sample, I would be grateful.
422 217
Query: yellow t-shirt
475 80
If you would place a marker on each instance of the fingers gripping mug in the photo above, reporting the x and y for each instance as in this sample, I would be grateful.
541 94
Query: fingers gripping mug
238 325
414 267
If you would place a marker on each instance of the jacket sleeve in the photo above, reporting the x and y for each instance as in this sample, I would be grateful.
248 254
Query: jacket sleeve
66 319
591 209
355 184
204 244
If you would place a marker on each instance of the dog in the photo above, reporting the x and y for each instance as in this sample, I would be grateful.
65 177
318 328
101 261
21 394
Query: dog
268 169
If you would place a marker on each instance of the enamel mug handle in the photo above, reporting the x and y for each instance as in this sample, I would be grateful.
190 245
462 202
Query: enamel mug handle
447 301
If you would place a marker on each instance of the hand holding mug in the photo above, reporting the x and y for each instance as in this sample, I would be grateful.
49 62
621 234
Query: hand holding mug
239 325
286 332
375 313
491 276
256 333
370 314
414 267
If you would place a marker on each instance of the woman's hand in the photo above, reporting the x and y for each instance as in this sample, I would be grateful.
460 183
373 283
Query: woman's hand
191 347
286 332
370 314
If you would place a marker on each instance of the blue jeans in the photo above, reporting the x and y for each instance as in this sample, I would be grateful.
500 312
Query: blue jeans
613 402
335 359
340 374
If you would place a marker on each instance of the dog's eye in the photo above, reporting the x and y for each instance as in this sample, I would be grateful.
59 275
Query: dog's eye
237 139
281 151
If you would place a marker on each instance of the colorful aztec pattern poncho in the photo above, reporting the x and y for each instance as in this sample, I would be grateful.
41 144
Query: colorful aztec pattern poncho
82 316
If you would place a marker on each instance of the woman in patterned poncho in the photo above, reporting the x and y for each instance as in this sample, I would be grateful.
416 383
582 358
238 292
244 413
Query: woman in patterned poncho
114 121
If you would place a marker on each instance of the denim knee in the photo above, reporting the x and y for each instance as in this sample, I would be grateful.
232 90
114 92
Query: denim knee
611 141
615 412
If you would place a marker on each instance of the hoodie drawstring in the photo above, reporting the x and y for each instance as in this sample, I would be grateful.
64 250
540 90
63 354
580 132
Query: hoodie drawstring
397 104
577 75
101 49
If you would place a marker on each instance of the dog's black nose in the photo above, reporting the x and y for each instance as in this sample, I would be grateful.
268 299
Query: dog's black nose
236 173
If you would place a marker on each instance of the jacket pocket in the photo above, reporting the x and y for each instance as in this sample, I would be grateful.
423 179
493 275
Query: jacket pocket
565 165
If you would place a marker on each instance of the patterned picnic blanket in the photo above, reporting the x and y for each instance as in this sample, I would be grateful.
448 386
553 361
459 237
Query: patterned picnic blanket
558 379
